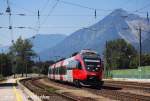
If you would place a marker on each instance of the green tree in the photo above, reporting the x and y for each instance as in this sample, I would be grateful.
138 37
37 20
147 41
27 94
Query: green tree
42 67
119 54
5 65
45 66
145 60
21 54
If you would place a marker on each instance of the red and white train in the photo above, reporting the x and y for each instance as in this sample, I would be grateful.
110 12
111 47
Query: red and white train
85 68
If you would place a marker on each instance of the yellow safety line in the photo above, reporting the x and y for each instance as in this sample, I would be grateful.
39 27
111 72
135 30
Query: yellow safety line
18 96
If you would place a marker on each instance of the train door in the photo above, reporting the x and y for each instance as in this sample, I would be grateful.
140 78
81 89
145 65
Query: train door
71 67
69 76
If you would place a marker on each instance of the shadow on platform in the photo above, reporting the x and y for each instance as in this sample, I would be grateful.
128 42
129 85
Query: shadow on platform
8 84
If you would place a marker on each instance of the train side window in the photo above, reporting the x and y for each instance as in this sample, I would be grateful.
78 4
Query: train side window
70 65
57 70
49 72
62 71
54 70
73 64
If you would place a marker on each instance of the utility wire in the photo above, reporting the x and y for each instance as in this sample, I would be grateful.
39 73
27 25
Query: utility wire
82 6
44 6
146 6
51 10
90 8
35 29
39 14
75 15
16 6
78 5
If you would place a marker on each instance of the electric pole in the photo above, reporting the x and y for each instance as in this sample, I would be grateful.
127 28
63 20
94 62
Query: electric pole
8 11
105 61
26 65
140 46
1 64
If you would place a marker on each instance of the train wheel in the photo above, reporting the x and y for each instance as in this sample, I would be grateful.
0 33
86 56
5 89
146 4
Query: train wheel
77 83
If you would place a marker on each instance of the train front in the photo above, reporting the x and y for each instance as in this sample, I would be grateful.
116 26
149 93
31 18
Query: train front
93 68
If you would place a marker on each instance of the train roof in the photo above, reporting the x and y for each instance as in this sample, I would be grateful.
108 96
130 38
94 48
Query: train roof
88 51
82 52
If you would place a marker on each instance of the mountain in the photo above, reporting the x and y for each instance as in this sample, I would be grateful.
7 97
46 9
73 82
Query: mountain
118 24
44 41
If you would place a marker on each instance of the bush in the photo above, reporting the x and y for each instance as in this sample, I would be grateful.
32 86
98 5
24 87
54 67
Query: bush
1 77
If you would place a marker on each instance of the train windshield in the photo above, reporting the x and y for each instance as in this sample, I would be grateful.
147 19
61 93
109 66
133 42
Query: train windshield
92 65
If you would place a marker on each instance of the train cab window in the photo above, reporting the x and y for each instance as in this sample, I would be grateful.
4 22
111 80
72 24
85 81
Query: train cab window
92 64
74 64
79 66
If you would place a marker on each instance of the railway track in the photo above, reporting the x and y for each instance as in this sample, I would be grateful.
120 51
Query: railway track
118 95
110 92
131 85
115 93
42 90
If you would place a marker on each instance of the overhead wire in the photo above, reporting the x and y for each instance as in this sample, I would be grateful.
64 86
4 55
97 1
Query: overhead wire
44 6
25 9
25 14
98 9
74 15
78 5
39 14
65 2
146 6
50 11
82 6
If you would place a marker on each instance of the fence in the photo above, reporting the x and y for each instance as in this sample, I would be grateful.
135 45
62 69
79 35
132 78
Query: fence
139 73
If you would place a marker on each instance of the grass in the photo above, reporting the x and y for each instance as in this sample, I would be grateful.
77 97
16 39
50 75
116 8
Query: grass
142 72
49 88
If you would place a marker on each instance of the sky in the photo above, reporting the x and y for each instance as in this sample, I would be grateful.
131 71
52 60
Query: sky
59 16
